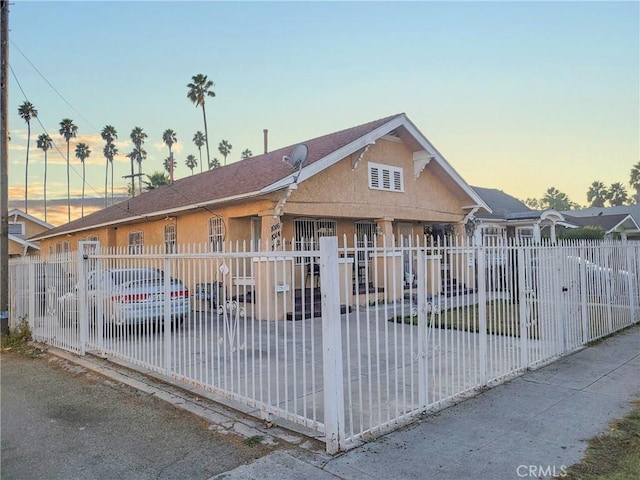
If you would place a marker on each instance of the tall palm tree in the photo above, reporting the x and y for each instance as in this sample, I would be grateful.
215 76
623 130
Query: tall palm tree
138 137
27 111
225 149
68 130
191 162
597 194
617 194
109 151
199 140
215 163
82 153
246 154
45 143
199 90
634 181
109 134
169 164
169 138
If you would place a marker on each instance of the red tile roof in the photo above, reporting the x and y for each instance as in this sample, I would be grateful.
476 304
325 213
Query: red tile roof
235 180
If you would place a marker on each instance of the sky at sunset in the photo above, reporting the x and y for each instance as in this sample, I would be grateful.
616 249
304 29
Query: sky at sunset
518 96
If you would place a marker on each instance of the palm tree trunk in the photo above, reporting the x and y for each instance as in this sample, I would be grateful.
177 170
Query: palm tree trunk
82 203
106 177
200 152
140 177
45 185
68 189
112 183
206 135
133 182
26 171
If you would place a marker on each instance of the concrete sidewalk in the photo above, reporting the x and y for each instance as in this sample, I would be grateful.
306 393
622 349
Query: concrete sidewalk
531 427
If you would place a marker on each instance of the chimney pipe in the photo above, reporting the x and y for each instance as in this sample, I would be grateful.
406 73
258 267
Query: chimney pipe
266 135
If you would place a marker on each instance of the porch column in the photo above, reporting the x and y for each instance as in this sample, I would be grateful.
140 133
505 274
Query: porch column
385 226
536 232
552 229
271 233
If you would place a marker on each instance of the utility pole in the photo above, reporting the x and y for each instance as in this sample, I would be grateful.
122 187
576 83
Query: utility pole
4 163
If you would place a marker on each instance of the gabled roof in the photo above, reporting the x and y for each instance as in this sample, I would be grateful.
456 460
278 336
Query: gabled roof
633 210
260 175
19 213
23 242
609 223
504 206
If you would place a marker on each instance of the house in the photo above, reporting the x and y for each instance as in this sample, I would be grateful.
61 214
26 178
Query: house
22 227
622 221
511 218
382 178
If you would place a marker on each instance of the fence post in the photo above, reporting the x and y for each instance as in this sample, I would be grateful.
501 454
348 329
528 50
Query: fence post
422 328
83 310
586 335
630 282
31 310
482 313
524 302
332 345
167 316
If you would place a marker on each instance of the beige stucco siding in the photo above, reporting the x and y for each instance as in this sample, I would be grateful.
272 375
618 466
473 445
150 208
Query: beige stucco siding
340 191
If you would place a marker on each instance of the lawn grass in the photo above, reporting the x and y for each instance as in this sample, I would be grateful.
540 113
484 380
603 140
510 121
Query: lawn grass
614 455
503 318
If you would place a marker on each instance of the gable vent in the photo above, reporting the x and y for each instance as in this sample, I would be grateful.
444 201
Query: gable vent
385 177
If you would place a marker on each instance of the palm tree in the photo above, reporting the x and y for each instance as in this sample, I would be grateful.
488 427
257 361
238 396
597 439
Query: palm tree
215 163
169 138
634 181
27 111
169 165
225 149
191 162
246 154
109 134
45 143
109 151
68 130
199 90
156 179
82 153
199 140
136 155
597 194
617 194
138 137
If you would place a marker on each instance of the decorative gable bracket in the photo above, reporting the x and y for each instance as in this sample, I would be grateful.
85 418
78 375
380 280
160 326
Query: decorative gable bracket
421 159
280 206
356 157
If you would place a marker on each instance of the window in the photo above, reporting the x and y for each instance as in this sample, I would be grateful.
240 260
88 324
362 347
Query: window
384 177
524 232
16 228
216 234
135 242
93 238
307 232
169 239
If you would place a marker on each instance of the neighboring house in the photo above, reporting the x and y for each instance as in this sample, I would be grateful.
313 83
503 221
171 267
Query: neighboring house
22 227
382 178
511 218
617 222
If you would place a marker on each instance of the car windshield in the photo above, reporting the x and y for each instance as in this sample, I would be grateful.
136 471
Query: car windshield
127 276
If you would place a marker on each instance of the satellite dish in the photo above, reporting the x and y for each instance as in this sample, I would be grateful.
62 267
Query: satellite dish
298 156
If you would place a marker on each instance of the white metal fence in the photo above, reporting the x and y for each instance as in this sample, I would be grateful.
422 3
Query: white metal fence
349 341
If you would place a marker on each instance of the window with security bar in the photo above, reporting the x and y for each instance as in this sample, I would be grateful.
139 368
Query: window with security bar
307 232
136 240
169 239
385 177
216 234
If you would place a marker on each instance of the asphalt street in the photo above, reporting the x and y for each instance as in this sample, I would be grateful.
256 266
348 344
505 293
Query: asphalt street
62 421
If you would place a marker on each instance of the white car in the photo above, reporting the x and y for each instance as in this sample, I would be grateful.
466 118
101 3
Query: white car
127 296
